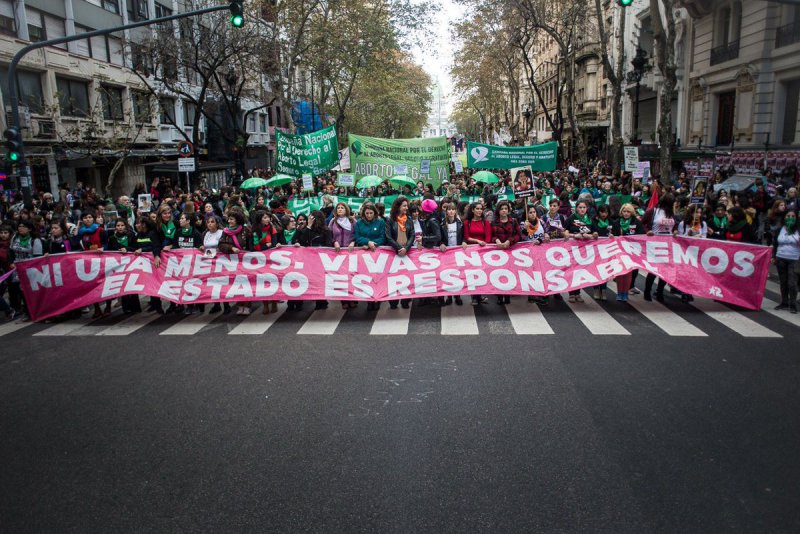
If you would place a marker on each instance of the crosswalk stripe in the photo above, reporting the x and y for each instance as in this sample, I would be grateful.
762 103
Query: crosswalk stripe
737 322
257 323
664 318
595 318
130 324
13 326
459 321
527 318
323 322
190 325
389 322
63 329
768 306
772 286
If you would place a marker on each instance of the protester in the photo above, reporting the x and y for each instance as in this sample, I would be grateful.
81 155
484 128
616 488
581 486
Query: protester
399 235
786 256
477 231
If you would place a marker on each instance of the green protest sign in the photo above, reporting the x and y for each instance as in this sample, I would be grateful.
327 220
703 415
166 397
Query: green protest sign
539 157
307 205
313 153
376 156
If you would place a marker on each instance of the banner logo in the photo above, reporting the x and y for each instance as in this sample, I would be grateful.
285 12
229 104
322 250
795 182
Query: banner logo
479 153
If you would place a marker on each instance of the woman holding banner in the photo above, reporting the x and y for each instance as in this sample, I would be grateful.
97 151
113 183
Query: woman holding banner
370 234
627 224
477 231
316 234
506 233
452 236
399 235
659 220
343 234
236 238
148 240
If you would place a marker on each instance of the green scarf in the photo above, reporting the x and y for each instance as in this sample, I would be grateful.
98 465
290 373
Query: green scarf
168 229
720 223
186 232
603 223
584 219
122 240
289 235
25 241
625 224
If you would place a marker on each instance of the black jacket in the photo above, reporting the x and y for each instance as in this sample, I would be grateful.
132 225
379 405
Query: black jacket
459 232
431 233
311 238
391 234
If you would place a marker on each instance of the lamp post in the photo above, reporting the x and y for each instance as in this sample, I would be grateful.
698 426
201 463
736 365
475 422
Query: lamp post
527 115
635 76
231 79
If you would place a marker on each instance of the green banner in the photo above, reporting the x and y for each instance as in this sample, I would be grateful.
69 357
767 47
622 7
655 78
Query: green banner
539 157
314 153
307 205
387 157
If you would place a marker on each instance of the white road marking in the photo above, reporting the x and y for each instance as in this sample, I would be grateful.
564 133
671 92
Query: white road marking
527 318
595 318
772 286
8 328
737 322
63 329
130 324
667 320
769 306
257 323
389 322
190 325
459 321
323 322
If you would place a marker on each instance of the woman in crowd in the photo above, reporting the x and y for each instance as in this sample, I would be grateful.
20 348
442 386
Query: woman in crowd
148 240
693 224
317 234
452 236
399 235
627 224
786 257
210 246
236 238
59 242
265 237
579 226
187 238
122 239
343 234
717 224
370 233
601 227
92 236
477 231
738 228
506 233
555 223
302 221
774 220
659 220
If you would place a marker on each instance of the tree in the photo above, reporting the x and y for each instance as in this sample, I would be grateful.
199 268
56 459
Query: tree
663 16
615 75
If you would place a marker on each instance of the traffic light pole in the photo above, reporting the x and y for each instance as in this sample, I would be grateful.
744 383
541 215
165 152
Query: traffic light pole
22 165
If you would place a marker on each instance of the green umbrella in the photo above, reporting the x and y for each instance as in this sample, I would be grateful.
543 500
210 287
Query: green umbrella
252 183
279 179
369 181
401 180
486 177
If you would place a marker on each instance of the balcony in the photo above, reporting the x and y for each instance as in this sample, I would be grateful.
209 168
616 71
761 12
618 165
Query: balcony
724 53
787 35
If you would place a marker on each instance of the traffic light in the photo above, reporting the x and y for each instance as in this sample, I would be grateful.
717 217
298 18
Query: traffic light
237 13
624 3
13 144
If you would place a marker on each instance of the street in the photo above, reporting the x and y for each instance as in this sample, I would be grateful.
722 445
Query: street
569 431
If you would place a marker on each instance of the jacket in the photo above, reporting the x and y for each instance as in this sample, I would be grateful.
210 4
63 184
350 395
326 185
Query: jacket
311 238
367 231
431 232
341 235
391 234
227 243
459 232
481 230
507 231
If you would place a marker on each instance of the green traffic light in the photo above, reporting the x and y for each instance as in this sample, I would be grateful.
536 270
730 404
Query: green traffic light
237 21
13 157
625 3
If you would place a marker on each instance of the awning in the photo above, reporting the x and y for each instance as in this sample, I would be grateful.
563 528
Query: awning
171 167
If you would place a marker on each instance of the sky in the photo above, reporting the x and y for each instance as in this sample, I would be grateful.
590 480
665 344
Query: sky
436 58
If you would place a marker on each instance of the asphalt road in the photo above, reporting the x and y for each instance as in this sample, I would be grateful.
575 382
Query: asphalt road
570 432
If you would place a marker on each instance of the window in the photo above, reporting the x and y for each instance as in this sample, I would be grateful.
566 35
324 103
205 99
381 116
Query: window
189 113
137 10
162 11
790 116
604 97
82 47
29 89
98 48
112 103
727 27
115 50
141 60
54 28
725 118
8 25
141 106
251 123
36 27
73 97
262 121
111 5
167 111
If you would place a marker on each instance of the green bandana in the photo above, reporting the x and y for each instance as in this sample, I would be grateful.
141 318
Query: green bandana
603 223
289 235
584 219
625 225
122 240
790 224
25 241
186 232
720 222
168 229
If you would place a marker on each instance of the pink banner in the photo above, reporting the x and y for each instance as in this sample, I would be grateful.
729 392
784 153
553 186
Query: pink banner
729 272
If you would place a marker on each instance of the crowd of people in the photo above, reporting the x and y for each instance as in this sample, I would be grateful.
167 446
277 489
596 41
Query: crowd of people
588 204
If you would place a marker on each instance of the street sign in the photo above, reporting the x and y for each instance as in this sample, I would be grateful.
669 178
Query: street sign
186 165
185 149
631 158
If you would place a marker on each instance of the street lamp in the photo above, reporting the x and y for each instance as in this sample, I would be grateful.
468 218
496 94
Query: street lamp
231 79
639 63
